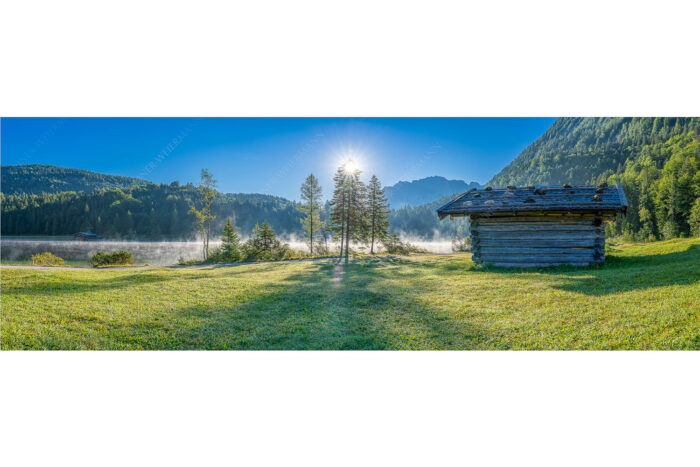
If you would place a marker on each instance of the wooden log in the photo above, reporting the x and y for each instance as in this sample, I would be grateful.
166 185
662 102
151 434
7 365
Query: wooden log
554 259
575 243
541 236
536 219
535 265
536 251
553 227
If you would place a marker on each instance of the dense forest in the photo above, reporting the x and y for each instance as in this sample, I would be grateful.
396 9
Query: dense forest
35 179
145 212
657 161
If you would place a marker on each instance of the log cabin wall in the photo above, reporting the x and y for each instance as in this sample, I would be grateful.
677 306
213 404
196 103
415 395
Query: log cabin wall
538 226
538 241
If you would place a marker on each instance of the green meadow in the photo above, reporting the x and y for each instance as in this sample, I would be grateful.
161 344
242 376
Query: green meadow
646 296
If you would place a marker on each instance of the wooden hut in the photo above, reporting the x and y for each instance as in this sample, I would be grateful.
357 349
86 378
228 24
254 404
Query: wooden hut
85 235
538 226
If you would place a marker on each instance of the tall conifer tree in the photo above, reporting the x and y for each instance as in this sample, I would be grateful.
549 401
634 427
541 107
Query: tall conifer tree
377 212
311 206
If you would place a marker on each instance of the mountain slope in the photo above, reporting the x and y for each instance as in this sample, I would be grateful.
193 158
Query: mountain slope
35 179
585 150
657 161
423 191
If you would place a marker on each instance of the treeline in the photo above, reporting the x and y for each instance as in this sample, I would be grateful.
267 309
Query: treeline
153 212
657 161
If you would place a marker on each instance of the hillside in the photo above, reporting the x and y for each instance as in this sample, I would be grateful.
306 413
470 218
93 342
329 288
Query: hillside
35 179
423 191
150 211
587 150
657 161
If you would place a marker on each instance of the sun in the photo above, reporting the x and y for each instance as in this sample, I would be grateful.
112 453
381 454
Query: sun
351 166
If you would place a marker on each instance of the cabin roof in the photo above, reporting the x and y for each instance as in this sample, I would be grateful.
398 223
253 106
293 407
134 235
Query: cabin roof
578 198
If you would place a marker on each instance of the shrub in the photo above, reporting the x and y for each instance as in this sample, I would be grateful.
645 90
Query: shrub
187 262
47 259
265 246
118 258
394 246
461 245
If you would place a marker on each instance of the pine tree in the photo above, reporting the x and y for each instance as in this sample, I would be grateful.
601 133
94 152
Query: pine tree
338 207
311 197
264 238
377 212
357 210
230 243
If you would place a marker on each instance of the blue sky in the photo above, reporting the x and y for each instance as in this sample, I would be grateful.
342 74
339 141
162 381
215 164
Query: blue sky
271 155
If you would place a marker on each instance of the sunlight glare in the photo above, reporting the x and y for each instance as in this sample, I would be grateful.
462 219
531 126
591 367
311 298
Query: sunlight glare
351 166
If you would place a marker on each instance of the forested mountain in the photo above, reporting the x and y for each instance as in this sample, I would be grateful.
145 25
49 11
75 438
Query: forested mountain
422 222
423 191
657 161
144 212
35 179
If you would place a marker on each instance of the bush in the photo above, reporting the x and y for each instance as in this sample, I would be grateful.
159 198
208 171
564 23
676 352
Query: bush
461 245
47 259
118 258
265 246
276 251
394 246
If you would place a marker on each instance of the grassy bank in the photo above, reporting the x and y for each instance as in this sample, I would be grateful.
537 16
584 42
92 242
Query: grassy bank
647 296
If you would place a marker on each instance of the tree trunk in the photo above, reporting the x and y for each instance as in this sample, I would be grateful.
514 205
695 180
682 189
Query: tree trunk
347 235
342 233
311 228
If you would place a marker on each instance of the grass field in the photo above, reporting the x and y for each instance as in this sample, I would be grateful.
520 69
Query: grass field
647 296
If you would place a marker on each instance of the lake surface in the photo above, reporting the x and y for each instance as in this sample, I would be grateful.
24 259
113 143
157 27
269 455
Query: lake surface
22 248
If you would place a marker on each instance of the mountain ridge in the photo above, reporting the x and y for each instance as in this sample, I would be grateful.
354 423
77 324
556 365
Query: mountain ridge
38 178
424 191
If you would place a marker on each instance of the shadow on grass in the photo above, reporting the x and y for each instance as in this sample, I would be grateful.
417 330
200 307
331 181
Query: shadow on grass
621 273
308 310
627 273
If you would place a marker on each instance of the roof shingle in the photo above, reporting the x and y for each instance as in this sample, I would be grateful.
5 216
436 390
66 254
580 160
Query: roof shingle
579 198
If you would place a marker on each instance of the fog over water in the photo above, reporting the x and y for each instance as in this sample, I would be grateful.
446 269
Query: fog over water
18 248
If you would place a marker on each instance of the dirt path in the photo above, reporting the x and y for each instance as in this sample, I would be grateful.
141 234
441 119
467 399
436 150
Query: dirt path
339 268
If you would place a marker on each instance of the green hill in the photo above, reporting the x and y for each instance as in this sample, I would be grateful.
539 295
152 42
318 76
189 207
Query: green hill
35 179
657 160
147 211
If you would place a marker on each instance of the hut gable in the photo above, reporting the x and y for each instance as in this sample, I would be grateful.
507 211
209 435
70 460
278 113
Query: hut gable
538 226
